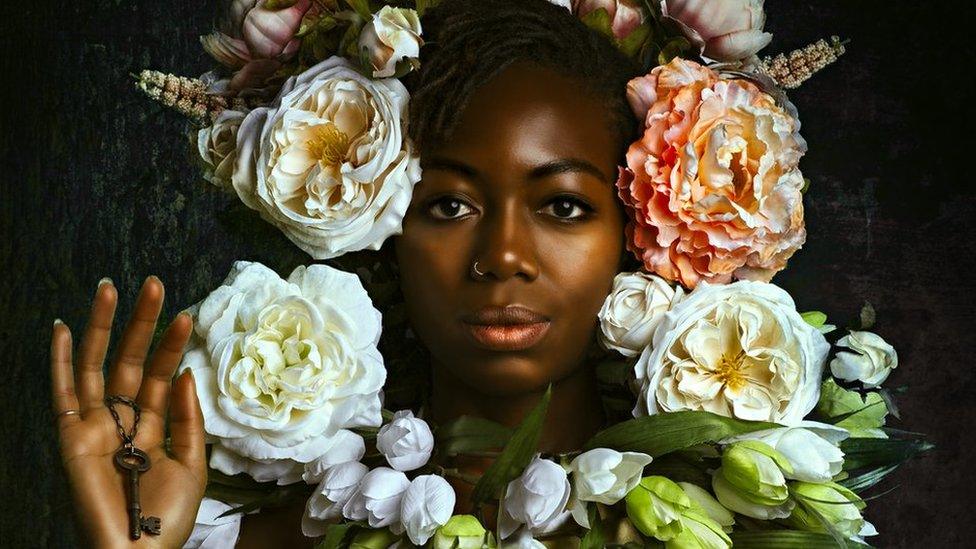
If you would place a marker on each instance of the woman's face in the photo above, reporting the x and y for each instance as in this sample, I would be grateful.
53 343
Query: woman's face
525 189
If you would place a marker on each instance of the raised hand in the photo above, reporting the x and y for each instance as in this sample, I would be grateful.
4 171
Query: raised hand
173 486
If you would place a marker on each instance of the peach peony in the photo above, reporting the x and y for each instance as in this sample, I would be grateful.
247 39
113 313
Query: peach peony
712 186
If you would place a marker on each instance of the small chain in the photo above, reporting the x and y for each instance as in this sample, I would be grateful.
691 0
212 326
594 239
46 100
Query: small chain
127 438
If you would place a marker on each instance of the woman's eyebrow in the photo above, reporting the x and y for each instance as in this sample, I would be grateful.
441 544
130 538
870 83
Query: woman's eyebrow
566 165
441 163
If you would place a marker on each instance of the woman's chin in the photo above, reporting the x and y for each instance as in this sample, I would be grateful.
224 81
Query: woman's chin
505 374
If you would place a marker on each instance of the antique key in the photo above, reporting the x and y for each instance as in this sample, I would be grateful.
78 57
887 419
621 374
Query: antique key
135 461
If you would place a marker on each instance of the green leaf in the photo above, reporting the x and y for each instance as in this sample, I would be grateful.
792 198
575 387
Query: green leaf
679 470
614 372
361 7
424 5
788 539
595 538
516 455
631 45
863 417
814 318
880 452
674 48
599 20
336 534
663 433
867 479
471 434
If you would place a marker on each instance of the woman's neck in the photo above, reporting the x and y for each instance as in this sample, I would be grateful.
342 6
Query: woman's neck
575 412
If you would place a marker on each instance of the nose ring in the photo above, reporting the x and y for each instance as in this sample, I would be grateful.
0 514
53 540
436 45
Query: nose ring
479 273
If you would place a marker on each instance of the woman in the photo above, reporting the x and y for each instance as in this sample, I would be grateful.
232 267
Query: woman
508 250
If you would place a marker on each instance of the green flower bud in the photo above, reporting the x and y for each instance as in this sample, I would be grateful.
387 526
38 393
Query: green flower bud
655 507
463 532
373 539
699 532
751 482
838 505
708 505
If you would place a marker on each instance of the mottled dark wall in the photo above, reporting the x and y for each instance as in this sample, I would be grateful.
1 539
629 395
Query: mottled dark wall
97 181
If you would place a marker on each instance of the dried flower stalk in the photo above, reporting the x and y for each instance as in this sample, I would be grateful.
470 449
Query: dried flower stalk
188 96
792 69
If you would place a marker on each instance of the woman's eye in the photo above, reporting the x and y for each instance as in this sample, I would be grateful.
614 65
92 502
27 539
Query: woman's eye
565 207
449 208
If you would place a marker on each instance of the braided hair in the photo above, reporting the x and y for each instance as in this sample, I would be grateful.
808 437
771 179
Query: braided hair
467 42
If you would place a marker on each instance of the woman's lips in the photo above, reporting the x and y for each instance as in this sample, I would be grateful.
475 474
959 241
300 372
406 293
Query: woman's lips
508 337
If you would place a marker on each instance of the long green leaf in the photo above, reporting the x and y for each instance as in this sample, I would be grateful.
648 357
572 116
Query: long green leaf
595 537
879 452
516 455
868 479
663 433
336 534
788 539
471 434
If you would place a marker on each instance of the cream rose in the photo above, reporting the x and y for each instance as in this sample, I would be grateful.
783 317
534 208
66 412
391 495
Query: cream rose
283 366
392 35
633 309
217 145
328 162
738 350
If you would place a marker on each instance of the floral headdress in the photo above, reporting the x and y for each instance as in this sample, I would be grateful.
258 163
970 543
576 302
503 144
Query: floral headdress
305 121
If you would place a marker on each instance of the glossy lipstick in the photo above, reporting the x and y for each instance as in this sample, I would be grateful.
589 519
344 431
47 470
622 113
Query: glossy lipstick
511 328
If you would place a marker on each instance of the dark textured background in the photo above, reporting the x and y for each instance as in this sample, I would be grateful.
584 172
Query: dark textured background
97 181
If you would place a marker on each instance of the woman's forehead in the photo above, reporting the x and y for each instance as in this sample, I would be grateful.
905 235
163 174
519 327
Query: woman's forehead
528 116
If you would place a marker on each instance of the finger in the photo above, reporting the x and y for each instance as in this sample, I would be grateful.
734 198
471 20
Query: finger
186 426
154 392
125 374
89 381
63 395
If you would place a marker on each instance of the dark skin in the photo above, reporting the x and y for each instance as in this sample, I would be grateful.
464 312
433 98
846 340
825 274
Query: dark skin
524 186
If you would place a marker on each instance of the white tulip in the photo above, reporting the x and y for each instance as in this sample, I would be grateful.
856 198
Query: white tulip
339 484
210 530
406 442
427 504
391 35
382 491
810 447
713 509
283 367
604 476
347 446
536 499
633 310
737 350
871 362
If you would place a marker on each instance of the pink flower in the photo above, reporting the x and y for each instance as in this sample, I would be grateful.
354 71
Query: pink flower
712 187
724 30
625 15
255 38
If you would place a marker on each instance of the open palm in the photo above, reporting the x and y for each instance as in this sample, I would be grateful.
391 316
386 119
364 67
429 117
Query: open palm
173 486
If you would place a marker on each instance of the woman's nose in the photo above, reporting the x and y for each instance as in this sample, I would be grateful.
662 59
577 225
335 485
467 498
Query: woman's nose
507 248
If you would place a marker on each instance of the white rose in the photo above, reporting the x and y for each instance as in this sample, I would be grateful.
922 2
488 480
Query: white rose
391 35
426 506
282 366
406 442
381 492
328 162
346 446
536 499
738 350
871 362
633 310
810 447
726 30
604 476
338 486
217 146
